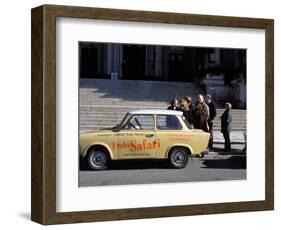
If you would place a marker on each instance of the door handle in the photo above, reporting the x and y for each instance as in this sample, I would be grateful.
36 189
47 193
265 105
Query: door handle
149 135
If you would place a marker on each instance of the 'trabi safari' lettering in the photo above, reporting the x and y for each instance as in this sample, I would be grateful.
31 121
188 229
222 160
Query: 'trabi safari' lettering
134 145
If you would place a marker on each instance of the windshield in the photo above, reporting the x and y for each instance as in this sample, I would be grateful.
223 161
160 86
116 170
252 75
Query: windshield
122 123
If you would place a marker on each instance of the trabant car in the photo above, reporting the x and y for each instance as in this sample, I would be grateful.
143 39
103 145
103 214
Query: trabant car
145 134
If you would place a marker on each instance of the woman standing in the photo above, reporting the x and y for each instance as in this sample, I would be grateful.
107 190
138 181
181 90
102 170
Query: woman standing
226 125
187 112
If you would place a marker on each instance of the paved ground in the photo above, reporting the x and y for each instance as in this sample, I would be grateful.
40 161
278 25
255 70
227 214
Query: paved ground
235 137
218 165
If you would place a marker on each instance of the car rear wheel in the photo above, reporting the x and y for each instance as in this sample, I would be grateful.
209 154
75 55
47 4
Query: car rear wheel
98 159
179 157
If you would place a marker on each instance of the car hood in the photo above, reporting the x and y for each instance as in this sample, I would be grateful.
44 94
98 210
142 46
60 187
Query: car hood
105 131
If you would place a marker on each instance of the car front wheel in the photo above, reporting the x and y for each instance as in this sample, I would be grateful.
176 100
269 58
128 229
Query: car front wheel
98 159
179 157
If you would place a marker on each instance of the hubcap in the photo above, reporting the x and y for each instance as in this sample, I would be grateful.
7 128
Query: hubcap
179 157
99 159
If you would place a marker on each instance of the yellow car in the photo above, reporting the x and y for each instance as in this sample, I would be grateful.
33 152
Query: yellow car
145 134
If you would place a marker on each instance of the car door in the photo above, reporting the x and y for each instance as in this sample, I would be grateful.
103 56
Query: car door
136 140
169 132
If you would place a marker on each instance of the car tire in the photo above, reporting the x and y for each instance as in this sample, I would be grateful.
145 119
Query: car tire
179 157
98 159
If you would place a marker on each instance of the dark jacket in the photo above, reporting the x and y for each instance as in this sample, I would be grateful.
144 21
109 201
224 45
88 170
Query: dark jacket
213 112
172 108
200 116
188 116
226 121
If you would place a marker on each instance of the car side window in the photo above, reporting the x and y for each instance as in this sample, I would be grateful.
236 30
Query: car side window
168 122
140 122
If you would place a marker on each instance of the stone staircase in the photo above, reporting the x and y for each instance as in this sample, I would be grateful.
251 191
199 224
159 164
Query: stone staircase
103 103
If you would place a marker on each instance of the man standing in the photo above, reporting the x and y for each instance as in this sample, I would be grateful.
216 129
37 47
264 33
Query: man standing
174 105
213 113
201 114
226 125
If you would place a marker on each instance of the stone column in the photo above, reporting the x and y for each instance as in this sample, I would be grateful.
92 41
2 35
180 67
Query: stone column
114 59
158 61
149 61
109 59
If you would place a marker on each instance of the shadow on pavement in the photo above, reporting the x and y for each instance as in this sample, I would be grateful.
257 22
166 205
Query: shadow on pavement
233 162
221 151
139 164
132 164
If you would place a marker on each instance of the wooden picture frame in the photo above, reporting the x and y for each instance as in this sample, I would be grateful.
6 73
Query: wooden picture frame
43 208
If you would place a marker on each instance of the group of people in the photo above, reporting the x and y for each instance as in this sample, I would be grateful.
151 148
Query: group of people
202 115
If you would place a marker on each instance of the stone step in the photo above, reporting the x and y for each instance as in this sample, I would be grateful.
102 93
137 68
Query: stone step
124 107
120 116
114 120
103 103
137 89
101 120
112 125
112 91
103 89
128 109
124 103
106 120
121 113
83 121
113 116
91 83
131 100
108 107
124 85
139 95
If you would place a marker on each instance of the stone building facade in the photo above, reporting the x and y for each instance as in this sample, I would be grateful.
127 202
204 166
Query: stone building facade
220 71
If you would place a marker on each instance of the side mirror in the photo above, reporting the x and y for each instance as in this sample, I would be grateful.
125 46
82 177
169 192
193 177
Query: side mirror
116 128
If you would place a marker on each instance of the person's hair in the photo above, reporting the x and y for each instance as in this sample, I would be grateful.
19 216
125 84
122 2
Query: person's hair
185 104
209 96
201 96
173 101
228 105
188 99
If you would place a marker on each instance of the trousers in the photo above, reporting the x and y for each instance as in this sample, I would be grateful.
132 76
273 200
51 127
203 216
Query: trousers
227 144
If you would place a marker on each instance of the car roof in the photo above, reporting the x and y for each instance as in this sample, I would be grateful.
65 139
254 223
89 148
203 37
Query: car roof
156 111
